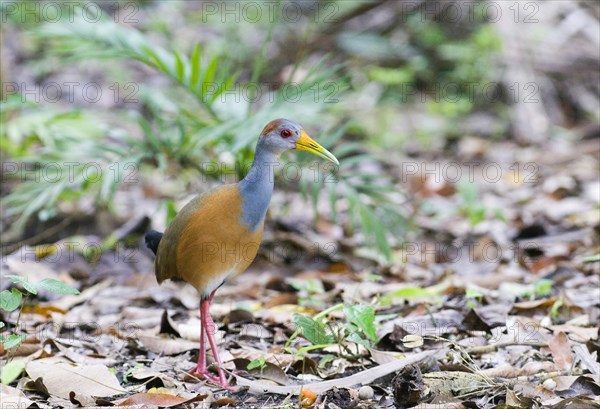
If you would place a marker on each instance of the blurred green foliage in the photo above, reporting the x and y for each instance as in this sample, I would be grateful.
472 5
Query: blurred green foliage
180 124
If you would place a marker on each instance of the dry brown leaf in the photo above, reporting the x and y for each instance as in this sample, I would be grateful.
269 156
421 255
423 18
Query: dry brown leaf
84 359
144 373
13 398
533 304
564 382
436 324
520 330
167 326
81 399
574 403
384 357
268 371
334 369
306 366
22 264
577 333
44 310
535 391
132 313
225 401
281 299
586 360
159 399
190 329
166 346
62 378
571 386
284 314
28 347
487 317
408 387
68 301
512 399
455 383
238 315
281 360
254 331
509 371
561 350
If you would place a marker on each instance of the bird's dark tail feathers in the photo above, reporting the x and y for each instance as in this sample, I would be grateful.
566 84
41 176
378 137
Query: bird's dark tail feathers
152 239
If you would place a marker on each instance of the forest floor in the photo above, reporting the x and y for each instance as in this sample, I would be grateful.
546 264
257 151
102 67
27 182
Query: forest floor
493 299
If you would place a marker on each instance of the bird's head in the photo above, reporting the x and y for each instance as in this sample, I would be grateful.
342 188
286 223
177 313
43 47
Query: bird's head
282 134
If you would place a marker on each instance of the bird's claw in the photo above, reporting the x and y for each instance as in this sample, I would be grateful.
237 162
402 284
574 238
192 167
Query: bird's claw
204 374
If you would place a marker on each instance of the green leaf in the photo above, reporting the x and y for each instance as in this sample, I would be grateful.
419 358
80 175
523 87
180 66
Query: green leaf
363 316
195 74
432 293
13 340
10 300
555 307
325 360
257 363
30 287
171 210
223 87
476 215
543 287
313 331
158 63
472 293
209 76
11 371
55 286
131 371
412 292
591 259
356 338
309 348
180 67
468 192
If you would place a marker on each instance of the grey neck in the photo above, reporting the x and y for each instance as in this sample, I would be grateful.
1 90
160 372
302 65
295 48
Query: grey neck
257 187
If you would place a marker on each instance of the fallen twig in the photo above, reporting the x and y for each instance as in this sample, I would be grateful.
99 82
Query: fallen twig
360 378
485 349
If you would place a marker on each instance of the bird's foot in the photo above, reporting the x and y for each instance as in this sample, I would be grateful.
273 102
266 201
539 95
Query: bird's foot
203 373
222 381
227 386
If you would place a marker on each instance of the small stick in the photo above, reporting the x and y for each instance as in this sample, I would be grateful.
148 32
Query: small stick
360 378
493 347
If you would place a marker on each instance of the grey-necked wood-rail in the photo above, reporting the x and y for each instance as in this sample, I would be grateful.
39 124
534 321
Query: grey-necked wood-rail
217 234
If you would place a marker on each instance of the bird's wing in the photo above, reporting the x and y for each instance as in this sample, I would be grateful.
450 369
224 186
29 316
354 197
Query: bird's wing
210 240
166 255
215 243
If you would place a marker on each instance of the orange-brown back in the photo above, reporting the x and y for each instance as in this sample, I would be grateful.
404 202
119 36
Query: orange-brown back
207 242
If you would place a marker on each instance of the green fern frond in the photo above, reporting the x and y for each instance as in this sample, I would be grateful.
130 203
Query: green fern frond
205 78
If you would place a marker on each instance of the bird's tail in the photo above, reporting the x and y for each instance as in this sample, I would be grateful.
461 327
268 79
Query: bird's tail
152 239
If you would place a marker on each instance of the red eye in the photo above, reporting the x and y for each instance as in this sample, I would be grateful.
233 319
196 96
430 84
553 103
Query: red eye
286 133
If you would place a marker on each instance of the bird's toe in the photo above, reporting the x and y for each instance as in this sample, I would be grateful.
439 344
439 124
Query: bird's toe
203 374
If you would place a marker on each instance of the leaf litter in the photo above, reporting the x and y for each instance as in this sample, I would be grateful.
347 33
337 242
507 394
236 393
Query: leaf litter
443 325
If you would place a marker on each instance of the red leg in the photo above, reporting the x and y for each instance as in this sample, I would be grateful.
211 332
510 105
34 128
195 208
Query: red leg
210 333
200 368
208 329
